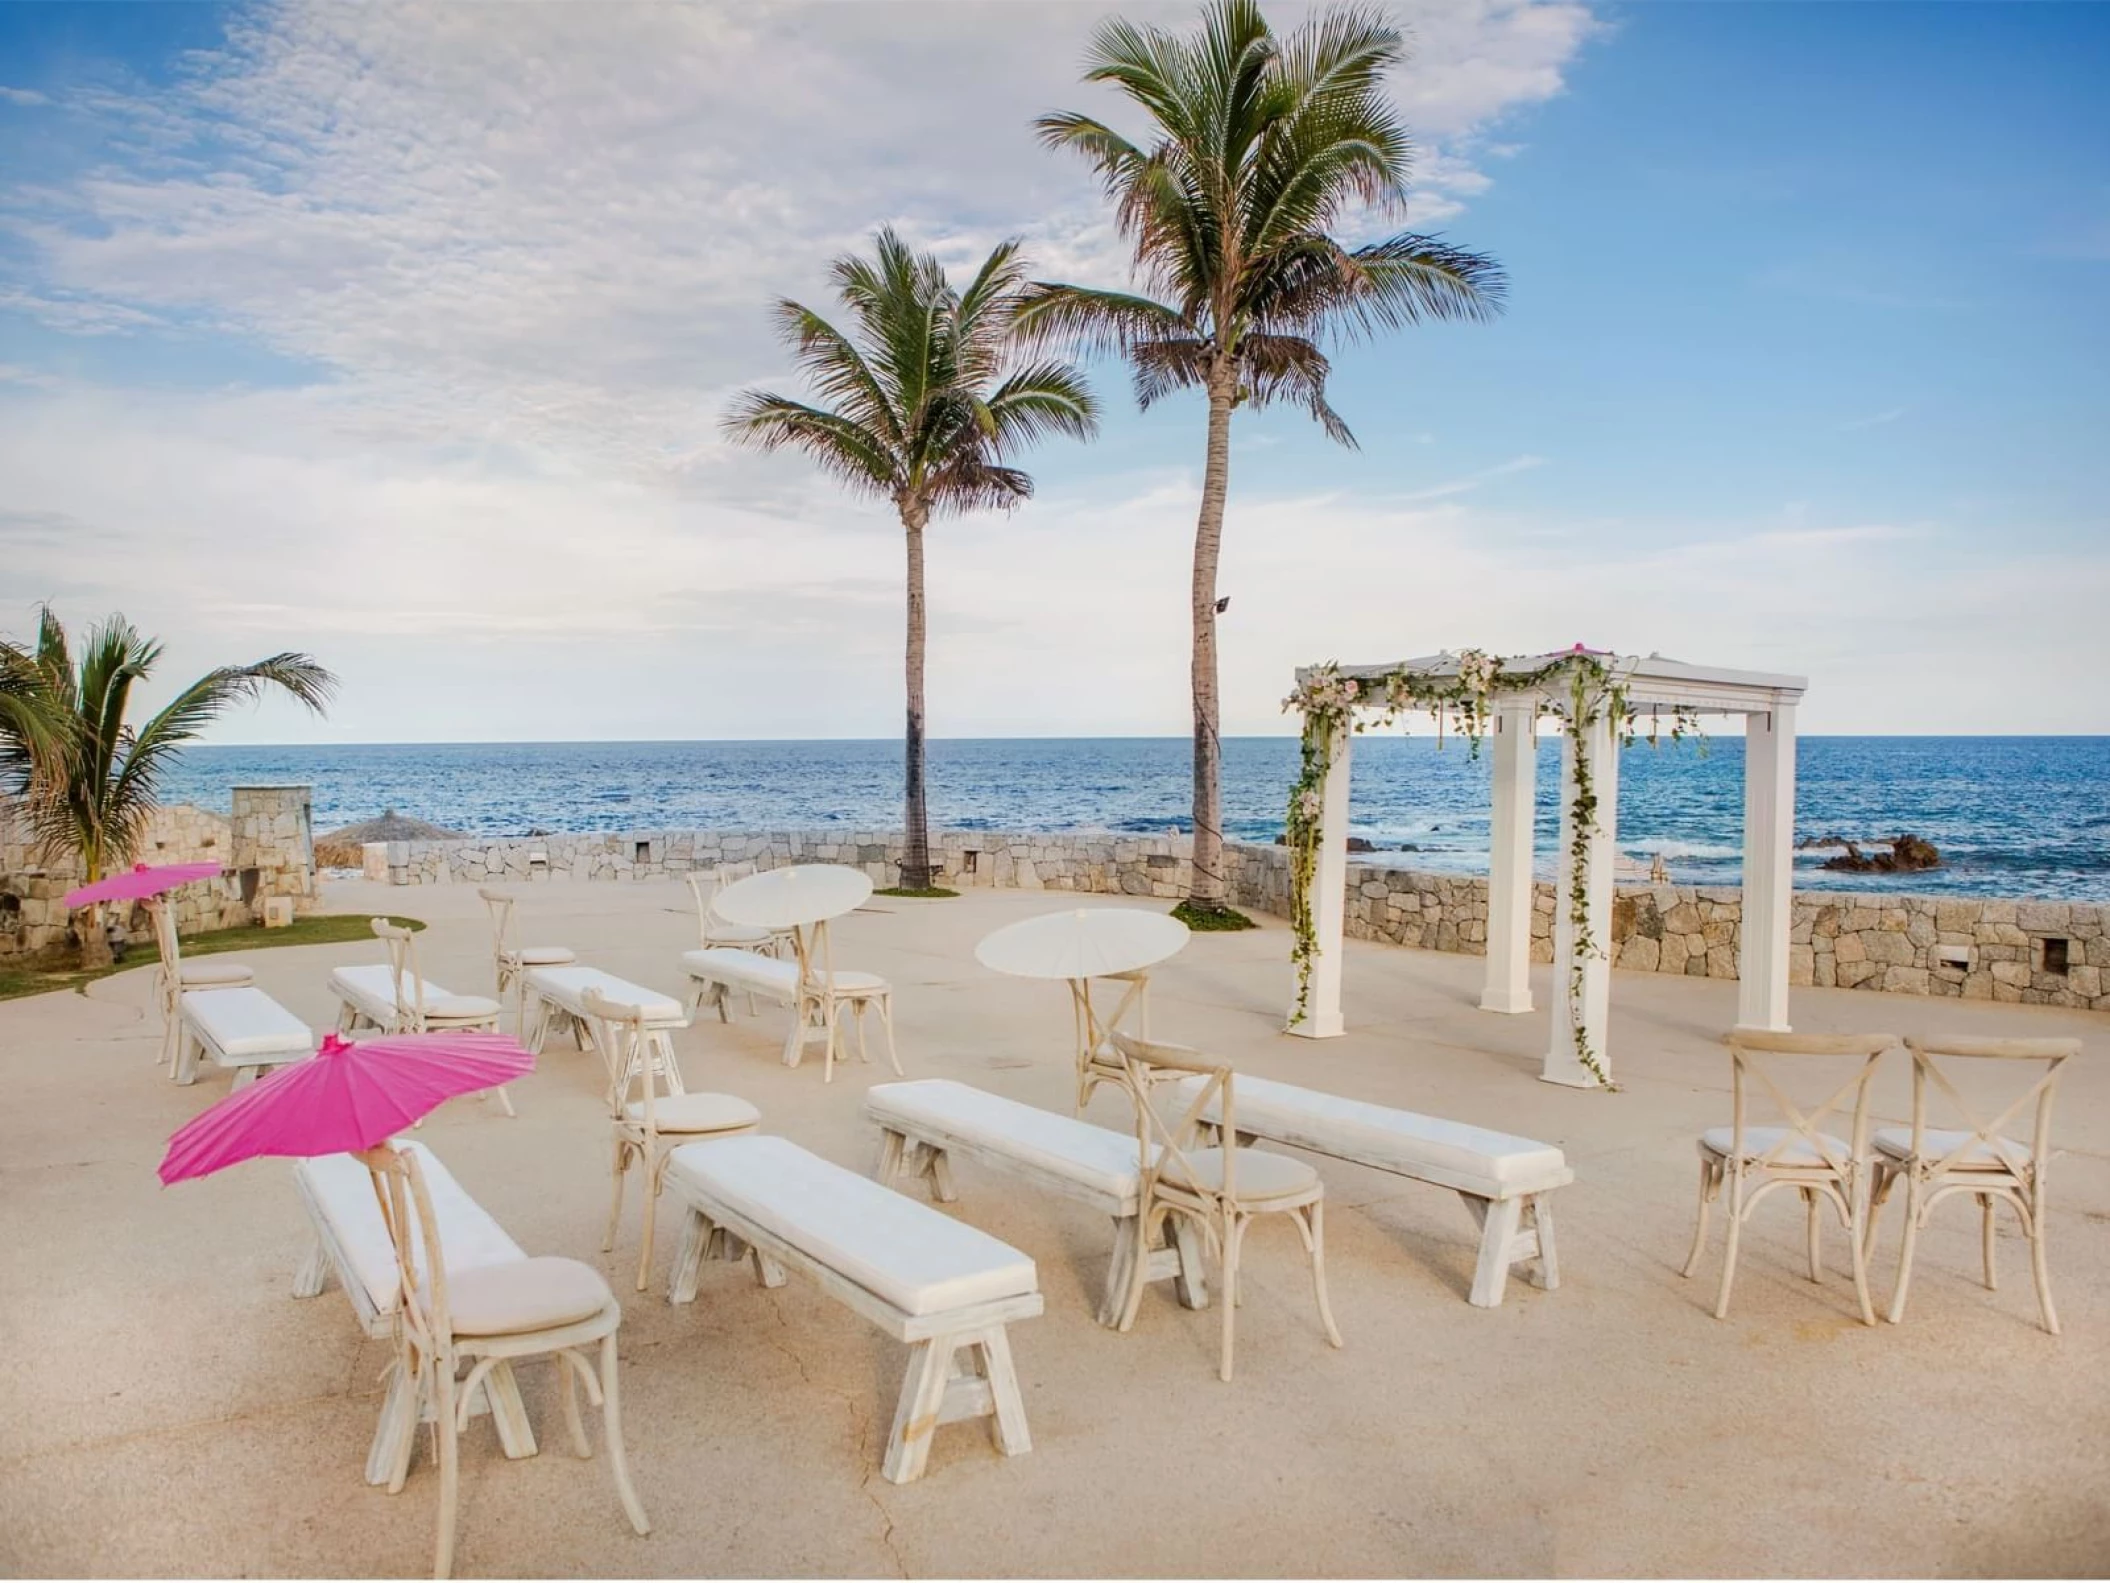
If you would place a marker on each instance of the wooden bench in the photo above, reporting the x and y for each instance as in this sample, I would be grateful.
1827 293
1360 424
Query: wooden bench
1503 1180
946 1289
351 1241
716 972
924 1123
557 995
239 1027
366 997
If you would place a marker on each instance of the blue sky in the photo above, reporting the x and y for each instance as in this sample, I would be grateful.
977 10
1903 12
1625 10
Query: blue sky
397 333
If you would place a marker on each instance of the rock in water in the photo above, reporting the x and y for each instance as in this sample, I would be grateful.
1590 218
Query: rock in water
1908 854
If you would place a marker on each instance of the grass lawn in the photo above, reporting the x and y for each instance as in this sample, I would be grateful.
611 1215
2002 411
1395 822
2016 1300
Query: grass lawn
325 929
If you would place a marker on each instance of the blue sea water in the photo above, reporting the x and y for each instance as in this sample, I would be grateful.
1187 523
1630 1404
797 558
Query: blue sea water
2013 816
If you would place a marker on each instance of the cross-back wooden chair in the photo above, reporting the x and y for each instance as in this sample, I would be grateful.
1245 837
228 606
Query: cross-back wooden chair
482 1317
1096 1063
651 1114
510 960
1977 1158
418 1011
712 930
175 975
1219 1186
1753 1161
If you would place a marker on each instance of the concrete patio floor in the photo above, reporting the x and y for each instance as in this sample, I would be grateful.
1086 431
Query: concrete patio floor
171 1409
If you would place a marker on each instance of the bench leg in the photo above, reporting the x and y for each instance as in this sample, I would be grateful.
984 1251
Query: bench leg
767 1271
1498 1236
245 1075
1008 1415
188 1049
347 1018
396 1430
890 1147
1545 1269
937 1165
916 1412
1128 1237
688 1259
516 1437
314 1272
1191 1284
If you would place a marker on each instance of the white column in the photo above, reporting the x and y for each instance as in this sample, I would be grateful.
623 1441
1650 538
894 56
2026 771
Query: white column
1769 879
1508 986
1329 899
1599 749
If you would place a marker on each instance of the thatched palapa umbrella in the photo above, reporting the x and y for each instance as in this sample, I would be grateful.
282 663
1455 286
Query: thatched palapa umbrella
341 848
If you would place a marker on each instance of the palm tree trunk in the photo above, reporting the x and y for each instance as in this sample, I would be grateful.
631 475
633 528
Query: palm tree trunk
915 818
1206 891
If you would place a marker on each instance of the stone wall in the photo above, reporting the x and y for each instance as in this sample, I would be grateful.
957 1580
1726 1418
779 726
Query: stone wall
1973 947
268 833
1978 948
274 847
1132 865
35 919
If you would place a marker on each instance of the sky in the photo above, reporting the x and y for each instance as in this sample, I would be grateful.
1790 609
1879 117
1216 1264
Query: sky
398 333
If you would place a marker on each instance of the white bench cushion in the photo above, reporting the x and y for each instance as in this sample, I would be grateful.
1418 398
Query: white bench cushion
696 1112
901 1251
767 974
215 975
344 1190
567 986
528 1294
1096 1157
373 990
244 1023
1496 1164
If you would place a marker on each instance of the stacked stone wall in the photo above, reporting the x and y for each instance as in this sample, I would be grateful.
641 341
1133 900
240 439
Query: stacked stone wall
34 919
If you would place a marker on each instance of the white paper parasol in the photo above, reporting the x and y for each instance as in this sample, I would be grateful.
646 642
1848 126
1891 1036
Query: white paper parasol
1082 943
791 898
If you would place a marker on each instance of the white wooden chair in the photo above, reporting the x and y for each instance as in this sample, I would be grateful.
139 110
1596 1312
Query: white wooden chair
422 1006
484 1317
1752 1161
175 975
650 1126
1937 1162
511 960
1221 1189
712 930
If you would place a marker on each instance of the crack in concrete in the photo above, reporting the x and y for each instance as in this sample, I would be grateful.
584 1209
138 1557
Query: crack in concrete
861 1425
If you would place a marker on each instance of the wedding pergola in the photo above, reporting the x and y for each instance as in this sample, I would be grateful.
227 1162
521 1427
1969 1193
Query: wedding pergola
1651 687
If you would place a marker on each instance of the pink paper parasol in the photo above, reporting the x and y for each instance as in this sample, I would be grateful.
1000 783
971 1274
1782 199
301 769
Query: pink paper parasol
139 882
342 1099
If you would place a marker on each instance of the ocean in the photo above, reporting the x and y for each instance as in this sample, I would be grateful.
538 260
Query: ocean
2012 816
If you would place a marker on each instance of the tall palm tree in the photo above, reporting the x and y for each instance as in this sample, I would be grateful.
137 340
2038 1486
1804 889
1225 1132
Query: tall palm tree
88 782
928 395
1260 146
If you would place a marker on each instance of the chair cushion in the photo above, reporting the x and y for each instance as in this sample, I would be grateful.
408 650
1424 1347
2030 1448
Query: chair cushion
343 1189
441 1006
696 1113
209 974
1391 1140
246 1022
370 988
1941 1143
1093 1156
1757 1140
567 986
907 1253
723 933
1260 1175
545 955
530 1294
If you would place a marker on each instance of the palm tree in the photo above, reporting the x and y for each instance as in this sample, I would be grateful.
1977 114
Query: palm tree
88 782
928 395
1261 145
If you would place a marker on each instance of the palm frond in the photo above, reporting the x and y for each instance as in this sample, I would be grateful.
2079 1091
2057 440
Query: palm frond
1277 368
1100 321
844 450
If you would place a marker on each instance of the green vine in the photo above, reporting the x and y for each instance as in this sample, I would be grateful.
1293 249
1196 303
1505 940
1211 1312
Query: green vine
1463 701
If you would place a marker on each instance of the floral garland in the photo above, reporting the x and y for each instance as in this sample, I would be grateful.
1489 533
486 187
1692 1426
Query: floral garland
1464 702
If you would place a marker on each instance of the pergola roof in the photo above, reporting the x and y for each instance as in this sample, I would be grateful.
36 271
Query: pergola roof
1650 681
